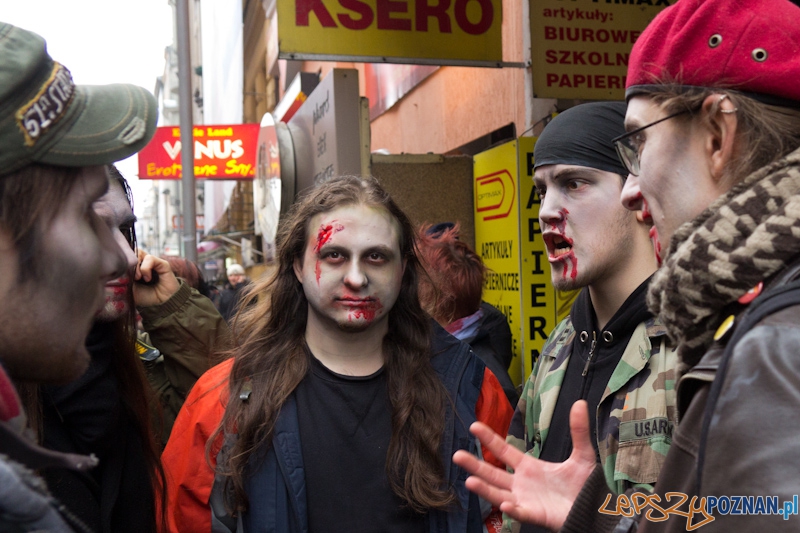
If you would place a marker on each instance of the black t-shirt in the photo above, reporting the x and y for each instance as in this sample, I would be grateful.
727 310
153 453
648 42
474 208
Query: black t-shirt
345 427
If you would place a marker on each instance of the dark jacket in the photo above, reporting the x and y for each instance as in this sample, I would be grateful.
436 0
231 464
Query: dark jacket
25 503
279 482
87 417
493 345
188 334
759 378
284 509
229 300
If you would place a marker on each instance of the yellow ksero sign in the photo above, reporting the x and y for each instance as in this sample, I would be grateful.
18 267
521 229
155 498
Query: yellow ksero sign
454 32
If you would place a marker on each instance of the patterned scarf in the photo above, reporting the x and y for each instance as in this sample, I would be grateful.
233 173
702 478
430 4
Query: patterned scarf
743 237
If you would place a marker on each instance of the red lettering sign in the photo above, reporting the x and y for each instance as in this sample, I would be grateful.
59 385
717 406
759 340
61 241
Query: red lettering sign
220 152
360 14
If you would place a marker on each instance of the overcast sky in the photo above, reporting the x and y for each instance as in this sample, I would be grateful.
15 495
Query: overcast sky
101 41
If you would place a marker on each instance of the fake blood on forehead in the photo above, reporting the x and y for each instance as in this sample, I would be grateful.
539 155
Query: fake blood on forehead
324 234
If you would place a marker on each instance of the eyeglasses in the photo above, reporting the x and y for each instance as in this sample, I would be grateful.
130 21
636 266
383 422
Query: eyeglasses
628 151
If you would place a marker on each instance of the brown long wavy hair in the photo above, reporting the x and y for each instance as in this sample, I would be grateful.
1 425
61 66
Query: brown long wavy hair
136 395
270 359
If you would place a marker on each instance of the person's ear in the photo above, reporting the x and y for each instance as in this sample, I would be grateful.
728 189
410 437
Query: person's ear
722 126
298 268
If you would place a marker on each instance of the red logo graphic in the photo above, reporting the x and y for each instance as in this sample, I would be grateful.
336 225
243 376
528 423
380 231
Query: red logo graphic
494 194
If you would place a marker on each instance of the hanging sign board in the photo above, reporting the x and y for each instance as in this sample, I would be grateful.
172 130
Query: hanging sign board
580 49
509 240
325 131
458 32
220 152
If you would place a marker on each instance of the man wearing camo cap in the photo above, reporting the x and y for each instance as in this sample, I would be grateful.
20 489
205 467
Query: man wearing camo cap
55 253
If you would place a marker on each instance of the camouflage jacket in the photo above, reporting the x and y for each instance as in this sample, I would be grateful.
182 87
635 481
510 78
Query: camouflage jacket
635 416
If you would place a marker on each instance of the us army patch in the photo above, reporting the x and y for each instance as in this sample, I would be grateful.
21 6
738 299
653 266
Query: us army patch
645 429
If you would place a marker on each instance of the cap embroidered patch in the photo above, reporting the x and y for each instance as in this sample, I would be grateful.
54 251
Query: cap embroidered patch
48 106
135 130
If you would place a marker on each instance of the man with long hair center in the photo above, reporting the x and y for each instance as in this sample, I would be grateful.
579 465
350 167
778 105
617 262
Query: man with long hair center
344 401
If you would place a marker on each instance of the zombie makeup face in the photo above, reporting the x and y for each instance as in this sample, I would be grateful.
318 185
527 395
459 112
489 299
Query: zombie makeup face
352 268
585 228
115 211
673 176
44 326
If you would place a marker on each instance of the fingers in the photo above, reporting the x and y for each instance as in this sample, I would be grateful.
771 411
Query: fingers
489 473
150 263
492 494
497 444
582 448
160 281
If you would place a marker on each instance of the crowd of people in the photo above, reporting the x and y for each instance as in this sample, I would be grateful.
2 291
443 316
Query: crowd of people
356 387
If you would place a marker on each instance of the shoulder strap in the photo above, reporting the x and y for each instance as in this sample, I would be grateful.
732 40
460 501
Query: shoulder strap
772 301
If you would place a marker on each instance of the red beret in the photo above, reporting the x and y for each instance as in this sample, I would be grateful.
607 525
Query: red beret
752 46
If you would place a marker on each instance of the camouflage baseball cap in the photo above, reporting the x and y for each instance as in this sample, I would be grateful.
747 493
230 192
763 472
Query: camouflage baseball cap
46 118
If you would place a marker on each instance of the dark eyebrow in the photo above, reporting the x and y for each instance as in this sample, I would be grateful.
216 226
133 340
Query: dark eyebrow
575 173
385 250
631 125
331 247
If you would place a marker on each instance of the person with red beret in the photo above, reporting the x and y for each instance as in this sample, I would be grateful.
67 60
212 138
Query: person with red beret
713 151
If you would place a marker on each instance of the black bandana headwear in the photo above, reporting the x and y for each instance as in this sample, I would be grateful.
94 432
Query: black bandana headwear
581 136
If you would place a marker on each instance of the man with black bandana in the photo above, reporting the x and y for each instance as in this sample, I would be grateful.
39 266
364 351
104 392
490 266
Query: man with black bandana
610 351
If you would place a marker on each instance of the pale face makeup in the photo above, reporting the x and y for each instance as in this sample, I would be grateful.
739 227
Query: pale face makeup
585 228
352 268
674 184
44 332
113 208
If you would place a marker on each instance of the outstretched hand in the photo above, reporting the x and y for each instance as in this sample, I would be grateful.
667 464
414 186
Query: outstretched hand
165 286
538 492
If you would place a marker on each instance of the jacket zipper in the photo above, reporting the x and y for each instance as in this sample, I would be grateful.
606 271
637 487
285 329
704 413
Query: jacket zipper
591 353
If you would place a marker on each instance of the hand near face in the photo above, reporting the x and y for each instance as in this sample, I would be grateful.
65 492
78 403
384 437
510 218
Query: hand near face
538 492
166 285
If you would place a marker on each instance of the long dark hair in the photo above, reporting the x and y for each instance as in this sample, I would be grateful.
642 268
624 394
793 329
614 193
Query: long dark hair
136 395
270 359
27 200
138 400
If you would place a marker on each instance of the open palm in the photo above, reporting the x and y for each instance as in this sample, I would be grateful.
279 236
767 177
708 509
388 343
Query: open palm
538 491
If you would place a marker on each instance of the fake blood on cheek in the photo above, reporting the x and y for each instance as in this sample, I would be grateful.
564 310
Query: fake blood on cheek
561 226
574 260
